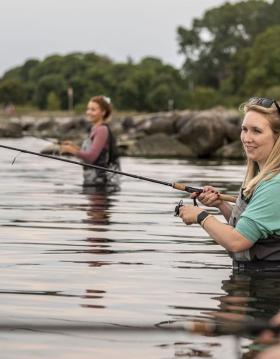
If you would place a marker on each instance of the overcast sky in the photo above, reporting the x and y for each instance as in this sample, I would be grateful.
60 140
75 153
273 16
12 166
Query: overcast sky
116 28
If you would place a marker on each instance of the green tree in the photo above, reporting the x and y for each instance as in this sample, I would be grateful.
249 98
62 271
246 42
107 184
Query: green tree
51 65
202 98
263 70
213 41
273 92
12 91
47 84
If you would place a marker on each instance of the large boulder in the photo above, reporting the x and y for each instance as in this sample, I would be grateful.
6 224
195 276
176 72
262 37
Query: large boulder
182 118
135 122
159 123
204 133
158 145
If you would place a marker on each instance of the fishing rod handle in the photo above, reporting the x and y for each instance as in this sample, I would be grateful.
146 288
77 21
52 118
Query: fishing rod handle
227 198
185 188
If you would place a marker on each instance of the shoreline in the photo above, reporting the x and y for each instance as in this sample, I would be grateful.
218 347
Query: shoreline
207 134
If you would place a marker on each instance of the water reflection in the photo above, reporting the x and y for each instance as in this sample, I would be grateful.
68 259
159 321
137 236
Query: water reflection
98 212
255 294
249 295
99 204
246 296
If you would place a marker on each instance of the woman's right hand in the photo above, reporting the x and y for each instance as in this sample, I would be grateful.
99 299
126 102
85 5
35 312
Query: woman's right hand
209 197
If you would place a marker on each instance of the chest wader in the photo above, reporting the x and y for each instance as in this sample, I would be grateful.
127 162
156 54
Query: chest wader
264 254
108 158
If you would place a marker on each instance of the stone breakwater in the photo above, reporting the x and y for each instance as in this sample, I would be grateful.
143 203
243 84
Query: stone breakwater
184 134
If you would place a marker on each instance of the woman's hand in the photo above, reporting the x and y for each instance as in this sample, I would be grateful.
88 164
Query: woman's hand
209 197
69 147
271 353
189 214
267 337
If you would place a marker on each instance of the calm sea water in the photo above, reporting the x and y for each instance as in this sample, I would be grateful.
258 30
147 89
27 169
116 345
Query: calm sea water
73 257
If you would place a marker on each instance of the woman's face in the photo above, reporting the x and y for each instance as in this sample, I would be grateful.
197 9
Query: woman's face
94 112
257 137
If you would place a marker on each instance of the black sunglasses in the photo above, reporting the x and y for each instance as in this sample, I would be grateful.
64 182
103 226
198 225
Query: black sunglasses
264 102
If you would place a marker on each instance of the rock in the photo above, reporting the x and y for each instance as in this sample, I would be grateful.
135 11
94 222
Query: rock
233 120
27 123
128 124
116 126
137 121
205 133
75 128
44 123
182 118
159 123
233 150
10 128
70 124
159 145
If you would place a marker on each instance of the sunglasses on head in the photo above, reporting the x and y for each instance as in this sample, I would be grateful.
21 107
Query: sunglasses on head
263 102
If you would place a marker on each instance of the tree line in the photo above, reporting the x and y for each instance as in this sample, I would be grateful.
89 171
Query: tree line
232 52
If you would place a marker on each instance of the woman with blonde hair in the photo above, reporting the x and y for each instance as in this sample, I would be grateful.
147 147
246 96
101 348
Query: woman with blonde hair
252 234
100 147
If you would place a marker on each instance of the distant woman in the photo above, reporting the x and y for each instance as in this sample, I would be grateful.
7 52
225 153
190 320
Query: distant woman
252 234
100 147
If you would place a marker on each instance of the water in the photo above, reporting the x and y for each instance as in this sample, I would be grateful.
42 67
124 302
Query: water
72 257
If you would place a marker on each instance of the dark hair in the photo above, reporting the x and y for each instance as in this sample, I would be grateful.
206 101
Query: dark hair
104 103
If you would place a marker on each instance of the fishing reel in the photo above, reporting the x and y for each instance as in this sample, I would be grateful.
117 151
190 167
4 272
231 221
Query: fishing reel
181 204
177 208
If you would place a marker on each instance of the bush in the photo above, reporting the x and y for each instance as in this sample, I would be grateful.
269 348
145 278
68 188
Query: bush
202 98
53 102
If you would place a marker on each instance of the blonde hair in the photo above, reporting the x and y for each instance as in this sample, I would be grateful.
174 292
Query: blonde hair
271 167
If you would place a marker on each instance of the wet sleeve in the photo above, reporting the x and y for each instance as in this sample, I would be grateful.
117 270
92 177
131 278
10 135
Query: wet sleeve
100 140
262 215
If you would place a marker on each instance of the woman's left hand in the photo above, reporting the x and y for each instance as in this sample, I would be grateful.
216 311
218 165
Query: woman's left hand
189 214
69 147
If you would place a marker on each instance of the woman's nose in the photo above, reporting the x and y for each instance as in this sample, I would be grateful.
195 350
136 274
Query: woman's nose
247 137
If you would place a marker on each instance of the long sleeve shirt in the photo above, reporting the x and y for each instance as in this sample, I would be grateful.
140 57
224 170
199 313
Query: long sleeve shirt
99 140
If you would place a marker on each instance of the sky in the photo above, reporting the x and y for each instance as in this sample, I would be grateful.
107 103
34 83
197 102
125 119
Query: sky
119 29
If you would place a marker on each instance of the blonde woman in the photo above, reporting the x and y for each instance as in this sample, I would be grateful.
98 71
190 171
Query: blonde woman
100 147
252 234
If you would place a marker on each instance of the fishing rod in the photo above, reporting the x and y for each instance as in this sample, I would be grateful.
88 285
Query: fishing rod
209 328
175 185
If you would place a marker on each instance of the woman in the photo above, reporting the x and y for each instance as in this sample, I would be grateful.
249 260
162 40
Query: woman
253 234
99 148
